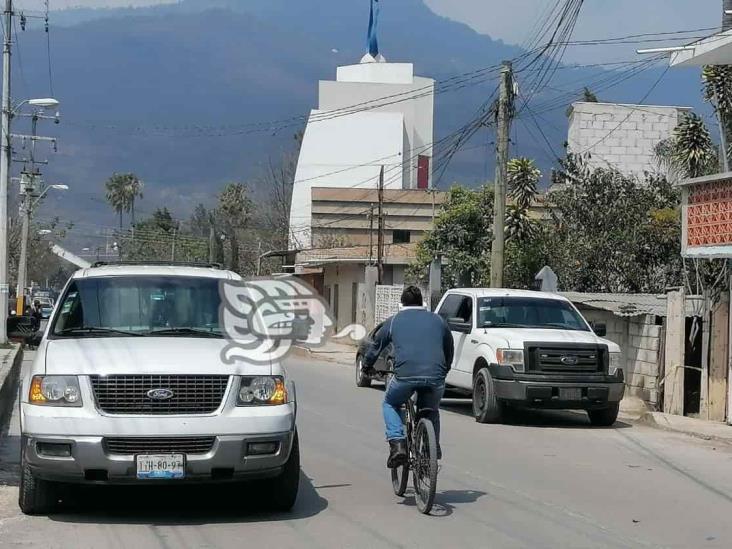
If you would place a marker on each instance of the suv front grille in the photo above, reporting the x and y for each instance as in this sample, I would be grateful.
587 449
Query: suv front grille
566 358
128 394
159 445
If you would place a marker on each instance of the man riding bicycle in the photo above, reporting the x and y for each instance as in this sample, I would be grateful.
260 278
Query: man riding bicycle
423 353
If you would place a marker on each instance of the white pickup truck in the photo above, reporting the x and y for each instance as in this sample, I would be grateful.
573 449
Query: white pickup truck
530 349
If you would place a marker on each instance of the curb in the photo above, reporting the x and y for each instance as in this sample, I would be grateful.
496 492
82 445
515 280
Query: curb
9 387
326 356
660 421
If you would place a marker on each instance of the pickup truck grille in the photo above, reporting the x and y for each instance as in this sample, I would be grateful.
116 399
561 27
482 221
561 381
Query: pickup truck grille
188 394
566 359
159 445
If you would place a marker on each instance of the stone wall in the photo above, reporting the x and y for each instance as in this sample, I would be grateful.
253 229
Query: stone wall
621 136
640 341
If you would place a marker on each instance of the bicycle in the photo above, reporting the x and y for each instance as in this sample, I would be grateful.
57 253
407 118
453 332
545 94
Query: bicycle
421 456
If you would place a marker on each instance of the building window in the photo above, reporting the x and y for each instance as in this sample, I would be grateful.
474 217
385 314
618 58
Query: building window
423 172
402 237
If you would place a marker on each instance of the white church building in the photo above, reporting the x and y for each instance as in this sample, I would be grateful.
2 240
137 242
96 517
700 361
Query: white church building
374 114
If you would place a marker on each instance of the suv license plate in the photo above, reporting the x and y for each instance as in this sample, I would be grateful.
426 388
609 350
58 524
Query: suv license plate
161 466
570 394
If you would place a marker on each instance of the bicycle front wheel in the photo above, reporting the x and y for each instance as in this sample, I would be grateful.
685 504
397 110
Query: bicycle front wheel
425 465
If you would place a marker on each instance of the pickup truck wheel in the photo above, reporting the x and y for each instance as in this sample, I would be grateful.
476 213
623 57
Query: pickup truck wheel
486 407
284 488
362 380
35 496
606 417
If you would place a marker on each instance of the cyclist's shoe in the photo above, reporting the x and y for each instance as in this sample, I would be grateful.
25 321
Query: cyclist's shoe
397 453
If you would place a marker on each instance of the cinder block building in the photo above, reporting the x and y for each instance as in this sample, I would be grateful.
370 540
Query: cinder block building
621 136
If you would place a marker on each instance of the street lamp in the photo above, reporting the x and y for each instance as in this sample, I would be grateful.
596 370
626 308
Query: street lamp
8 112
44 232
27 210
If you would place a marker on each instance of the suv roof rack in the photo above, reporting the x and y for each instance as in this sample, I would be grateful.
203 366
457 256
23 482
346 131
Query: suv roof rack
203 264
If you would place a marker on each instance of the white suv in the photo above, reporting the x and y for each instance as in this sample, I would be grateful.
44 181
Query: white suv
129 386
530 349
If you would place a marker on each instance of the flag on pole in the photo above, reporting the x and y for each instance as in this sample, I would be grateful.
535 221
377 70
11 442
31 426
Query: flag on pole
373 40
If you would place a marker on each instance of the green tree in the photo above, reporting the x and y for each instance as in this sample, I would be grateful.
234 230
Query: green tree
462 236
122 191
234 210
523 177
690 151
718 91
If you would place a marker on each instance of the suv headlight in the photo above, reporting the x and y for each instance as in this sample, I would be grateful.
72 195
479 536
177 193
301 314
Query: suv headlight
512 358
614 364
55 391
262 391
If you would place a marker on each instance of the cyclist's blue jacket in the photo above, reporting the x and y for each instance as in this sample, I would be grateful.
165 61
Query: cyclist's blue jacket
423 346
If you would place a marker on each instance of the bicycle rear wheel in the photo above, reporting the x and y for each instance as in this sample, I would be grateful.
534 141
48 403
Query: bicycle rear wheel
400 479
425 465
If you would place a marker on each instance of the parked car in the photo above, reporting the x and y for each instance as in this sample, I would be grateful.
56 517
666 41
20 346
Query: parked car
129 387
530 349
384 362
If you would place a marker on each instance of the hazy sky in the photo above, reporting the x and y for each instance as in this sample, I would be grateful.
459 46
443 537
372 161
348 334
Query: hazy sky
511 20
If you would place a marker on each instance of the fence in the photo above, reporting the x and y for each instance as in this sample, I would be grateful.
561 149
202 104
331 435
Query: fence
388 299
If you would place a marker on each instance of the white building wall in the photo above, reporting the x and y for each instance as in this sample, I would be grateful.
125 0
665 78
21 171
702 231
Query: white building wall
394 124
347 280
621 136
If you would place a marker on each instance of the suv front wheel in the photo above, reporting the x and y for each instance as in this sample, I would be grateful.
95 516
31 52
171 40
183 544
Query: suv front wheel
284 488
486 406
35 496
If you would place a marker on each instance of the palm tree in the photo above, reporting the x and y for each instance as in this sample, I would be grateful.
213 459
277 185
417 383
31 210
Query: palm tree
718 91
523 177
122 191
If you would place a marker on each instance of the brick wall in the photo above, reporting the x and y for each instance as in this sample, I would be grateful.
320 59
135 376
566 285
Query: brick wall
622 136
640 341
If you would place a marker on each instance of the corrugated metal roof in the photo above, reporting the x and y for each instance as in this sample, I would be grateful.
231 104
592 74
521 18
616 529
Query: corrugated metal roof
629 305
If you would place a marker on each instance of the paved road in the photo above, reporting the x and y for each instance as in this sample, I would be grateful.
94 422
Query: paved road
546 480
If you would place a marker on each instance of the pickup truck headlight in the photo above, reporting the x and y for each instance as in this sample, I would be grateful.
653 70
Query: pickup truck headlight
55 391
512 358
262 391
614 364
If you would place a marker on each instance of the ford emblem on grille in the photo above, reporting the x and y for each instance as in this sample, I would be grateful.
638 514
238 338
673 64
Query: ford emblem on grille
160 394
569 360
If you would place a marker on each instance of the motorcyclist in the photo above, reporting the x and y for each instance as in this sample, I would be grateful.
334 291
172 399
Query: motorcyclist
423 353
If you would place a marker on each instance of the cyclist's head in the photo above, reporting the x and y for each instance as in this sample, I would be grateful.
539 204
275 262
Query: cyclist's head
412 297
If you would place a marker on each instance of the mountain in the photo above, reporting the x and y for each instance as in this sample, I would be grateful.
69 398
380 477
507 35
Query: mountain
171 92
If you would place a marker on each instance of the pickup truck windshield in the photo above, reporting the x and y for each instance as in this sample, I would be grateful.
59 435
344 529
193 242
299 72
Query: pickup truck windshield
527 312
135 306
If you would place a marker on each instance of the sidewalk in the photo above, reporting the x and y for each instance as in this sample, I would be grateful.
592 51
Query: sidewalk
10 361
634 410
330 352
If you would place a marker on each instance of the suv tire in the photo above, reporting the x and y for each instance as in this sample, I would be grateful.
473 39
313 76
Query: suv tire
605 417
362 380
35 496
284 488
486 406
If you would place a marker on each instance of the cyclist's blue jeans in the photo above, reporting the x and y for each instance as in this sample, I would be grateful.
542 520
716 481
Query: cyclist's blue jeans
429 395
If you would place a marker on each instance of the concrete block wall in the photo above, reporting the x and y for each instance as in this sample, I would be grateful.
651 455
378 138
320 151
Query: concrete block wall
621 136
640 342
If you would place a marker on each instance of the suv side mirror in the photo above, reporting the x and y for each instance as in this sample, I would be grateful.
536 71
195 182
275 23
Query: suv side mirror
459 325
600 329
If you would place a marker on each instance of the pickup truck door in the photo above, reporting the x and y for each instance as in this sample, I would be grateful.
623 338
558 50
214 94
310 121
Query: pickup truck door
457 311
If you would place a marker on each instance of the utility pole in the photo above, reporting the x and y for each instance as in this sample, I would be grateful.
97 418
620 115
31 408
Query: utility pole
380 237
505 105
211 244
5 172
371 235
175 237
27 187
259 257
726 15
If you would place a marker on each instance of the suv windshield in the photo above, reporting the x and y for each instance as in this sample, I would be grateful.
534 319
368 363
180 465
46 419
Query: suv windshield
128 306
527 312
